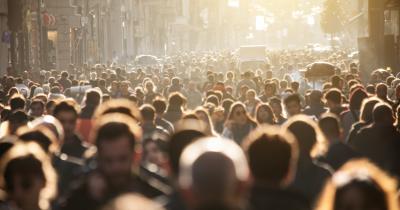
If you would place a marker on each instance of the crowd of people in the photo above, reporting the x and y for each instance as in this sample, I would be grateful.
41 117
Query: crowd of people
197 133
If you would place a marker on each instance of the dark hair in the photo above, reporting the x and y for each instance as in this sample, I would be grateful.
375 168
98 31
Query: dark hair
93 97
17 102
65 106
28 167
382 113
330 125
271 155
177 144
334 95
159 105
176 101
148 112
293 97
37 101
114 130
213 99
356 98
305 134
335 80
294 85
271 120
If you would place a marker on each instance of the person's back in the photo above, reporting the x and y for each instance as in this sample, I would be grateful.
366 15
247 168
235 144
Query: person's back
310 178
310 175
272 157
379 141
338 152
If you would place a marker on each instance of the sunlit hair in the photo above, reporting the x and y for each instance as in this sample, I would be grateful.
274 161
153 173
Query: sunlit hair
23 150
265 148
52 124
235 106
42 135
122 106
313 141
116 120
363 171
367 108
210 127
196 150
272 120
191 124
132 202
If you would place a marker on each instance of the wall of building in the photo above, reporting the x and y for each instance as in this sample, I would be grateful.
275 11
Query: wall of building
3 28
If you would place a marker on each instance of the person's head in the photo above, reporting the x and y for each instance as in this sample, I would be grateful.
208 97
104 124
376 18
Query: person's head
37 108
276 105
356 98
337 82
330 127
160 105
177 142
295 86
308 135
293 105
66 112
359 185
316 98
243 90
213 100
41 135
251 95
270 89
64 74
93 97
383 114
16 120
264 114
238 113
367 108
149 85
272 156
176 100
28 176
148 113
175 81
381 91
121 106
17 102
229 75
115 136
213 173
204 116
333 98
132 201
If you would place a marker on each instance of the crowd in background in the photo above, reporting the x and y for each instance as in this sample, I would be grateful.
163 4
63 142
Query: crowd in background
196 132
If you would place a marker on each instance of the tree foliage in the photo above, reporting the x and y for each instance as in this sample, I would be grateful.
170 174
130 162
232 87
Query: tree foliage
332 17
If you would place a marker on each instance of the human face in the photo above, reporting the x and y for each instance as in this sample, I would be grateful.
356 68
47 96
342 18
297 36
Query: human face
68 120
276 108
269 91
37 110
27 190
239 115
263 114
154 154
293 108
115 161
